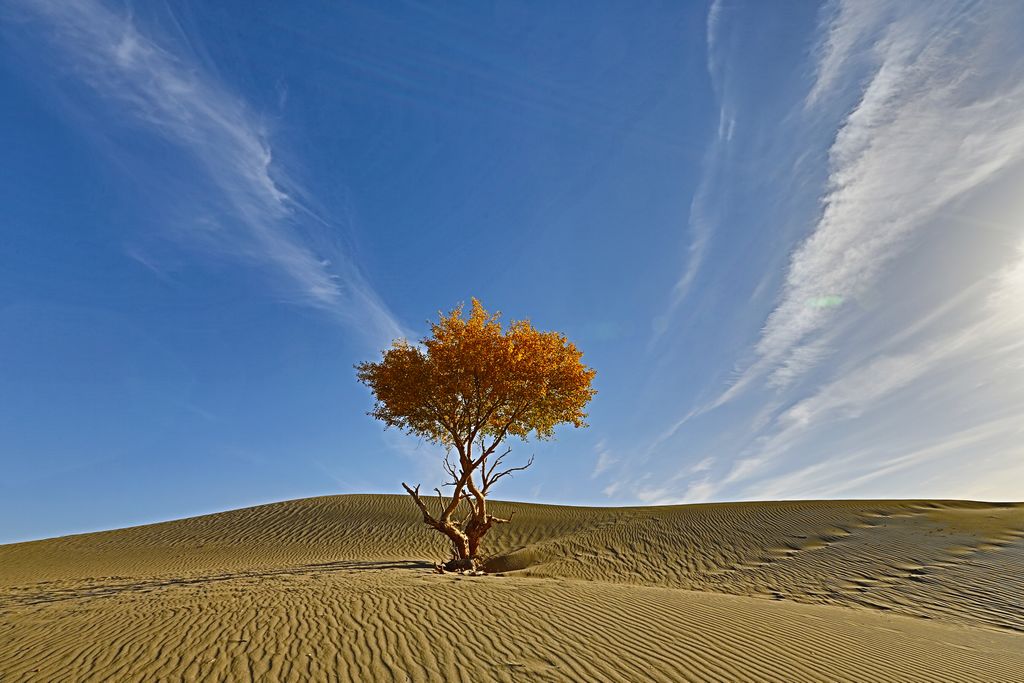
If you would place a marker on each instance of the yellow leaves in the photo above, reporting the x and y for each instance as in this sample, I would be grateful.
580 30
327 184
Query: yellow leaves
471 379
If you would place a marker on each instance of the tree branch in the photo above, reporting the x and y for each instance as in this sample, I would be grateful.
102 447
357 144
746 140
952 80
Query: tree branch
491 478
442 505
501 433
415 493
488 472
498 520
450 469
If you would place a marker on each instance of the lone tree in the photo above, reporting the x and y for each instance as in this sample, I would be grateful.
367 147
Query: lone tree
467 387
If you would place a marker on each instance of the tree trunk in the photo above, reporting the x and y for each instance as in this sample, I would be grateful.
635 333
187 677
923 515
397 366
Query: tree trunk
475 531
463 551
460 544
465 541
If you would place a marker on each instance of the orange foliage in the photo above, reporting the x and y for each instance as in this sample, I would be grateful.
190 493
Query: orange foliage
472 381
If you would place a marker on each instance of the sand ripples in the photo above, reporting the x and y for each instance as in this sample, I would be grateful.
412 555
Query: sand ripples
340 588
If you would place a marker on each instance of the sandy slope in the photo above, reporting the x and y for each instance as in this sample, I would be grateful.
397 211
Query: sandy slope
339 588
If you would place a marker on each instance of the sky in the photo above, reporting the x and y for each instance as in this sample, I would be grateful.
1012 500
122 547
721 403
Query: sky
788 237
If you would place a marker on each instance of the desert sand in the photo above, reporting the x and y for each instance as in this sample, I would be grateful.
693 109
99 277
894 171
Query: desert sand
342 588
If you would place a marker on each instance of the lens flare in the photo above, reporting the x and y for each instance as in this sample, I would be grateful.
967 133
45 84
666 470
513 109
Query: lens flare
830 301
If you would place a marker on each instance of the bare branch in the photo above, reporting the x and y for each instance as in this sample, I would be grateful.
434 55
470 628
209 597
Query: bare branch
500 436
498 520
491 479
490 472
450 469
442 504
415 493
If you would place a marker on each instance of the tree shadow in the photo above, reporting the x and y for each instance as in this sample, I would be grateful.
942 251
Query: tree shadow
370 565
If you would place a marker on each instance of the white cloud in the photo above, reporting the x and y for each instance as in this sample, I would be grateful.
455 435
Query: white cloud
928 112
656 495
922 135
704 465
604 460
699 492
743 469
702 213
259 208
849 30
937 461
997 329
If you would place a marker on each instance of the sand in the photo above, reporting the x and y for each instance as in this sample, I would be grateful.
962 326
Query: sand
341 588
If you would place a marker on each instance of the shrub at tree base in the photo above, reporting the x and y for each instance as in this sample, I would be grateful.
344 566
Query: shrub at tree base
469 386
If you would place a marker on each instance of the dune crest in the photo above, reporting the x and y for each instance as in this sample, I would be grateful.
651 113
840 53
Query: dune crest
340 587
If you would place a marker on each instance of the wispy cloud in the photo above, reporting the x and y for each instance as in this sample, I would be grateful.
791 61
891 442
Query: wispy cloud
260 217
702 214
993 441
604 459
939 115
997 330
926 110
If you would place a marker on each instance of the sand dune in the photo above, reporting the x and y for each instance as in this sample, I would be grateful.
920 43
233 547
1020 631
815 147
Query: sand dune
340 588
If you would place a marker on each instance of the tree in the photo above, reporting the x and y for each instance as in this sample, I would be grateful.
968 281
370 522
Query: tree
468 386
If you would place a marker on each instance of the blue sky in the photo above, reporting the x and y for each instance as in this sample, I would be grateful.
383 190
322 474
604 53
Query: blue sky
788 236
